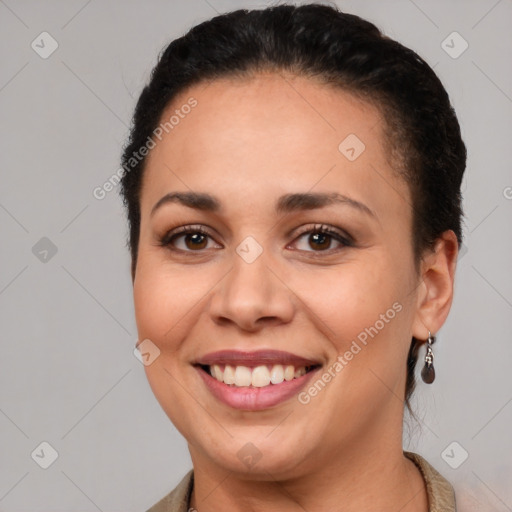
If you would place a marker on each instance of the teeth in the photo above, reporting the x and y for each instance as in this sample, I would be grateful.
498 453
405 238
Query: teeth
243 376
229 375
217 372
258 377
277 374
299 372
289 373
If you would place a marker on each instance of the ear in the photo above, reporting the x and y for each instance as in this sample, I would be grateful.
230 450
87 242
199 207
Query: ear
435 293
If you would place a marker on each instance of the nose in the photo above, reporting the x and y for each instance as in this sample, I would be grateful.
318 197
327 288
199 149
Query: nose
252 296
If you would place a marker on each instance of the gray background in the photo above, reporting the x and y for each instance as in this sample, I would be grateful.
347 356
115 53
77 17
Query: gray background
68 375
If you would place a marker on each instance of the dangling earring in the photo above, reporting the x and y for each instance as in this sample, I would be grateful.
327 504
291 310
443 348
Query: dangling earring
428 373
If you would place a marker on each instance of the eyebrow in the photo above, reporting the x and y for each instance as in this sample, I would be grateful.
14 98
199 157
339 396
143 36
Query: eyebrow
286 204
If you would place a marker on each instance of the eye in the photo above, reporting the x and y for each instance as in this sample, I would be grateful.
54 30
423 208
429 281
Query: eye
321 238
317 238
187 239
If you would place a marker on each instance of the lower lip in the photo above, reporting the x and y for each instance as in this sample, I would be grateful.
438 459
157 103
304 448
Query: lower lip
255 399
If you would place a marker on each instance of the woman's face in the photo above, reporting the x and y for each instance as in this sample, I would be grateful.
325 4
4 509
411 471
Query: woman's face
299 254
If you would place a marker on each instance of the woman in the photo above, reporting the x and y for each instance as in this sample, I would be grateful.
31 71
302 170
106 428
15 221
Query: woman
292 183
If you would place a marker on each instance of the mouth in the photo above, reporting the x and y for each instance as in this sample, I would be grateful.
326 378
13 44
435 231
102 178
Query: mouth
255 380
257 376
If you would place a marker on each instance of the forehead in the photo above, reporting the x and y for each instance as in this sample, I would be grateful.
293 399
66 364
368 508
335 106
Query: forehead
278 110
269 130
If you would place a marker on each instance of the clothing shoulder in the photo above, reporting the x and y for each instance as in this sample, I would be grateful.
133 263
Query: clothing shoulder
178 499
441 496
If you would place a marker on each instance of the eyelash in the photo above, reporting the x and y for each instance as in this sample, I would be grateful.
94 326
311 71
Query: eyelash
344 239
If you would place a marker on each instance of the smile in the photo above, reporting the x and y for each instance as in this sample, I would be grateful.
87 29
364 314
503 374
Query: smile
255 380
257 377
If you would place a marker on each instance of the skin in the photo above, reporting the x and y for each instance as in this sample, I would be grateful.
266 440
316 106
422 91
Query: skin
247 142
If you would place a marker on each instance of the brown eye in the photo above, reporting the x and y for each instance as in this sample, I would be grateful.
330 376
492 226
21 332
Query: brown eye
195 241
188 239
322 238
320 241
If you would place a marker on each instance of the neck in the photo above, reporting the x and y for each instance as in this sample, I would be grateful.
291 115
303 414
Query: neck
358 479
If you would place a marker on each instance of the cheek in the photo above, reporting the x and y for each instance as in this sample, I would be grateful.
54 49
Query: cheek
164 301
164 297
364 311
349 299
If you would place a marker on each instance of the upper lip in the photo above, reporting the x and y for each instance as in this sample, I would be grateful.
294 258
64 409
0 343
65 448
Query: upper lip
254 358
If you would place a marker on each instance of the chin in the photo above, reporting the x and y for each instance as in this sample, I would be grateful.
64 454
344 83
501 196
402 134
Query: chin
254 457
